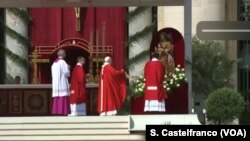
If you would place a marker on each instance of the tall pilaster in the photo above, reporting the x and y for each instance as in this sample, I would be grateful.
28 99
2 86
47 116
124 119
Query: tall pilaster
16 51
135 26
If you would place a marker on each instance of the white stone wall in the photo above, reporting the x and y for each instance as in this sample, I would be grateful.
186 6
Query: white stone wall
137 25
12 68
202 10
171 16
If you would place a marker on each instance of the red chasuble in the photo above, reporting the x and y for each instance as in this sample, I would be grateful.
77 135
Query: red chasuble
77 86
112 89
154 74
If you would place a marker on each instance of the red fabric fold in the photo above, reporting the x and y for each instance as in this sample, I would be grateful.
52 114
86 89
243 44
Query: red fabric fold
114 90
77 86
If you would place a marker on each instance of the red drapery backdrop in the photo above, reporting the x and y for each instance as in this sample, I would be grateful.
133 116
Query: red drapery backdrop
51 25
177 103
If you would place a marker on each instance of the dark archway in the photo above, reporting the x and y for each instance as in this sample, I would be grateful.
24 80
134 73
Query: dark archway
178 42
74 47
177 103
72 52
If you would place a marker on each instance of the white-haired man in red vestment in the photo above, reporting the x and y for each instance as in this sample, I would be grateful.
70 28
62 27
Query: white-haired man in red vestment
112 89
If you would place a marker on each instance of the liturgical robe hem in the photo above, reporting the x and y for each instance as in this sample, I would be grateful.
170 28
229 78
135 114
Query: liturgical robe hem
112 89
155 94
154 72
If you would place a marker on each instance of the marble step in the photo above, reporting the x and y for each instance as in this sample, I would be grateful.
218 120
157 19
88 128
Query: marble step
85 128
64 132
69 126
133 137
64 119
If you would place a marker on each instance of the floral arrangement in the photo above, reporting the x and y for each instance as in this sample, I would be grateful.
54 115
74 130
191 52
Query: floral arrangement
169 83
139 86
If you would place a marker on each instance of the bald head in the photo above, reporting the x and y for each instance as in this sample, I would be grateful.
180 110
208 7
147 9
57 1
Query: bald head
108 60
61 53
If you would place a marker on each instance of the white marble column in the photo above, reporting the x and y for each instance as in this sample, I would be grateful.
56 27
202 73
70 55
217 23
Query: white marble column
188 49
231 15
13 68
202 10
137 25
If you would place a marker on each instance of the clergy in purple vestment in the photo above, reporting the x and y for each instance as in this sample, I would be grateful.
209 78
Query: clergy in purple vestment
60 85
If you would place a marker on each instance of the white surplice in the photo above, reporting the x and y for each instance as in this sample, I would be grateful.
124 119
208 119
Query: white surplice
60 74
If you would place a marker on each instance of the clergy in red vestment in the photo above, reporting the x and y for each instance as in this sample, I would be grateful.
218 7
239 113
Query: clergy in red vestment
155 94
112 89
78 89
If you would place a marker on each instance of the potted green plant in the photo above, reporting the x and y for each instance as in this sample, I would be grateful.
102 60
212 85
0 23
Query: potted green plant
223 106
